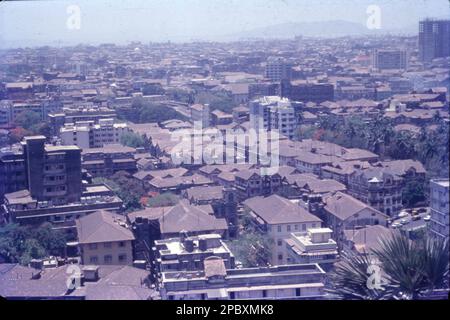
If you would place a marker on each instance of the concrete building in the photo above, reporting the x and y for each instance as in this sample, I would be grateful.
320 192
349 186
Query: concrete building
439 199
304 91
12 170
278 68
278 218
188 253
316 246
273 112
105 238
434 39
105 161
343 212
389 59
215 282
53 172
88 134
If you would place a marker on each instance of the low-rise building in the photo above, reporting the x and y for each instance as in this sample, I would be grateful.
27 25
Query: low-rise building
216 282
109 159
188 253
91 135
105 238
316 246
278 217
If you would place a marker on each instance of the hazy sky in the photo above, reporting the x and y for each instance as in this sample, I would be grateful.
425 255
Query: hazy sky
44 22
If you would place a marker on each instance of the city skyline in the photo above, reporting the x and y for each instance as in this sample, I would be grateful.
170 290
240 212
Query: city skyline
191 20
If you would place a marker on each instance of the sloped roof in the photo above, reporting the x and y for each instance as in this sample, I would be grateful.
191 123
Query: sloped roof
344 206
182 216
102 226
276 210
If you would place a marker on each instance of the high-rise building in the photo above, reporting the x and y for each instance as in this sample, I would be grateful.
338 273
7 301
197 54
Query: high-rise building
389 59
434 39
439 223
278 68
53 172
273 112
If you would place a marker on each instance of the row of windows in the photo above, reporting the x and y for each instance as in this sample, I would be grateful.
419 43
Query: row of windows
289 227
94 246
107 258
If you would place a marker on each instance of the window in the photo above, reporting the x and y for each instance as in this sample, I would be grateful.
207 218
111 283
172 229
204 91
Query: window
296 227
264 293
279 228
232 295
93 259
280 257
122 244
280 243
107 258
304 227
122 257
289 227
297 292
93 246
107 245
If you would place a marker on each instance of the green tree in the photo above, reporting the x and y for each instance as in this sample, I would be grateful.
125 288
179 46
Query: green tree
410 269
23 243
127 188
348 280
163 200
131 139
252 247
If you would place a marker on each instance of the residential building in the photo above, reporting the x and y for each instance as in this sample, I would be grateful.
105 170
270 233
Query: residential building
343 212
90 135
215 282
188 253
304 91
278 68
12 170
53 172
278 217
273 113
384 59
251 183
316 246
104 282
382 185
107 160
366 239
439 198
105 238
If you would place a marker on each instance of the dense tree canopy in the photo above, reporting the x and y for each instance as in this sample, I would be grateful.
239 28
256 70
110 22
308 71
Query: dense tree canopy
127 188
252 247
144 112
23 243
430 146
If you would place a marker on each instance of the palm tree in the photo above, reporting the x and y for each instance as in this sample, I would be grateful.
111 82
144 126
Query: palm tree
349 278
402 263
410 269
436 263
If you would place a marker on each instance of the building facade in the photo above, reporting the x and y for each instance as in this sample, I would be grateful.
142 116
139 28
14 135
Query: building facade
439 199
